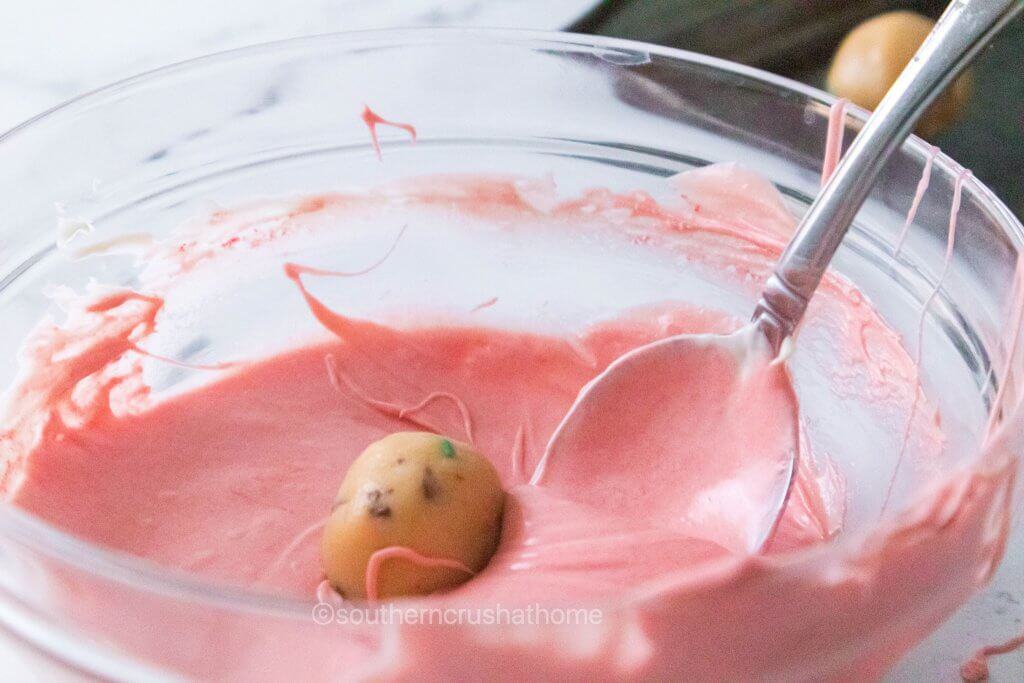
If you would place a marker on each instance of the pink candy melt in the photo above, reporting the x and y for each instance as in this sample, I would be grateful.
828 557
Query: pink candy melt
372 120
922 187
834 140
221 499
402 553
976 668
231 479
954 212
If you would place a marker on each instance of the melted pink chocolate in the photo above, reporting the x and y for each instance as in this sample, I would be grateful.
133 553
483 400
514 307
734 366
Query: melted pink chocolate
834 140
402 412
372 120
922 187
396 552
243 489
976 668
518 456
484 304
954 212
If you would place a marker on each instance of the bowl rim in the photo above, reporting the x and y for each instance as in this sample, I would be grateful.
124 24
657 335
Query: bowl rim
140 574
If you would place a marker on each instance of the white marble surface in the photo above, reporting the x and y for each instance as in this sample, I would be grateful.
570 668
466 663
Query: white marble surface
51 50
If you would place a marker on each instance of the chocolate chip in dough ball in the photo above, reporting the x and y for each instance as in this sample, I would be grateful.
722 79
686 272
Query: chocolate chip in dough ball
874 54
419 491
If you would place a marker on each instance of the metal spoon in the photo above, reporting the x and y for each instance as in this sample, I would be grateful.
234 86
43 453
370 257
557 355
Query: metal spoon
686 392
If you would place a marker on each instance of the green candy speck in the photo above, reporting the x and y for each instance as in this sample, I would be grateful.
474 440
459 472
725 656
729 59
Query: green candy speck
447 448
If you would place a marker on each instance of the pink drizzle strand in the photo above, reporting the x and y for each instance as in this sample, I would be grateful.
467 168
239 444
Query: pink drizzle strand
372 119
518 455
976 668
291 547
324 315
954 212
833 140
397 410
484 304
922 187
183 364
400 552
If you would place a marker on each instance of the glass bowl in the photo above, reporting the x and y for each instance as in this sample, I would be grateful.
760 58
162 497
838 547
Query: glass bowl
284 118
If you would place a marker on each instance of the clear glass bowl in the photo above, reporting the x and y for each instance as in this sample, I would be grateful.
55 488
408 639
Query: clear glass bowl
283 118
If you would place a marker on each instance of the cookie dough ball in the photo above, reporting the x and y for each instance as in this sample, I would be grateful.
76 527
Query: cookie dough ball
430 494
874 54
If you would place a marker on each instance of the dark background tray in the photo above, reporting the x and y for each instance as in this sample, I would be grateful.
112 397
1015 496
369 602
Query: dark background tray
797 38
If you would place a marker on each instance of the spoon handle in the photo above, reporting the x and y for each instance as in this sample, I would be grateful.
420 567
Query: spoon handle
962 31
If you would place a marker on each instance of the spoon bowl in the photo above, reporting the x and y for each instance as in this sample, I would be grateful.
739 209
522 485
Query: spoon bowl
703 428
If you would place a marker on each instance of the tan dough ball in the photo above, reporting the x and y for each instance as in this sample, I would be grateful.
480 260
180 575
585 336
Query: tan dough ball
874 54
426 492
